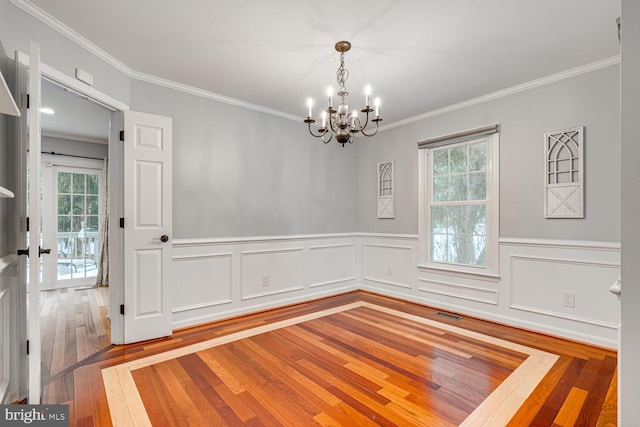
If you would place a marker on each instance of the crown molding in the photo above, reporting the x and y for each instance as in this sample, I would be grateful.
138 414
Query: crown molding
170 84
573 72
72 35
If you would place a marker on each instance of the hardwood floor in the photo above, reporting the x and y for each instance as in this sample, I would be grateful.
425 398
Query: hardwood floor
378 362
74 328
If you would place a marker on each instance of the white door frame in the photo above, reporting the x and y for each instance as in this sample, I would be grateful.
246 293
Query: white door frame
50 166
116 291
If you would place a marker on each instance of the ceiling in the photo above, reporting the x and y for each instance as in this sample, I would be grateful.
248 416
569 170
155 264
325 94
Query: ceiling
76 117
418 55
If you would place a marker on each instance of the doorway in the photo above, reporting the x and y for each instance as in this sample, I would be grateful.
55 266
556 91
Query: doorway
74 292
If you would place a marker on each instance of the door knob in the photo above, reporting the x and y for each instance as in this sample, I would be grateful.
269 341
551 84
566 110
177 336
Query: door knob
164 238
43 251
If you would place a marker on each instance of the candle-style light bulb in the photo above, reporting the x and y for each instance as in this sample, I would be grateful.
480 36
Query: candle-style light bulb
376 102
309 104
324 120
330 96
367 92
354 118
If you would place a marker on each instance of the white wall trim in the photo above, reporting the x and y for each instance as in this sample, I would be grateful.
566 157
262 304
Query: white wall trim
81 41
492 294
206 303
339 279
555 314
499 318
72 35
169 84
564 261
573 72
568 244
234 312
188 242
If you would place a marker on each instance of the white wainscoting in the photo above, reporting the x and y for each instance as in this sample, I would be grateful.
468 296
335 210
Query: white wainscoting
528 292
219 278
331 264
389 264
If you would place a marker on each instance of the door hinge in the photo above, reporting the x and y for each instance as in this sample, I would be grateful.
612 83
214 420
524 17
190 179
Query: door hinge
121 222
122 309
28 100
27 223
27 347
121 135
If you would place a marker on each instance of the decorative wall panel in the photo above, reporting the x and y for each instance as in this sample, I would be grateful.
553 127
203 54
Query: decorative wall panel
564 174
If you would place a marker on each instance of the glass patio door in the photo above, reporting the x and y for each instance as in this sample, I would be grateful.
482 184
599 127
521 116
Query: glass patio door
74 221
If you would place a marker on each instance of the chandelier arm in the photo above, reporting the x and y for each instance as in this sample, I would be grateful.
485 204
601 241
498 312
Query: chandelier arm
321 134
370 134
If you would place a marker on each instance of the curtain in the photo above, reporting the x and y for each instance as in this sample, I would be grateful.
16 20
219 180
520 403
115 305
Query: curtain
102 279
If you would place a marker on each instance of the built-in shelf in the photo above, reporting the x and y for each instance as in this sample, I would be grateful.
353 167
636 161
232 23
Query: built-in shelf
5 194
7 104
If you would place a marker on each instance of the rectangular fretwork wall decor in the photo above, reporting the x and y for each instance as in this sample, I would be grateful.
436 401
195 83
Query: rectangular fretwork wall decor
564 173
385 190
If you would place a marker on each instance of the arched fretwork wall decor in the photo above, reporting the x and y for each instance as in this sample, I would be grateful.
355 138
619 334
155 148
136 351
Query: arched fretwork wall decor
385 190
564 173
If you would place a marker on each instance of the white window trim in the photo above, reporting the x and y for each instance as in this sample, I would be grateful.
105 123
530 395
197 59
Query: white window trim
492 268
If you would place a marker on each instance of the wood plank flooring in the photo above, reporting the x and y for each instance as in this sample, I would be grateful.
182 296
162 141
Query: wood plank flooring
74 327
361 366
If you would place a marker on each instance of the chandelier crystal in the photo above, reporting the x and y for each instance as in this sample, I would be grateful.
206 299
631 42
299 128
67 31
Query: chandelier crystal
341 123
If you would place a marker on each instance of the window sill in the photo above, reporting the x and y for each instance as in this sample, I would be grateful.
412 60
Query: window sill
456 272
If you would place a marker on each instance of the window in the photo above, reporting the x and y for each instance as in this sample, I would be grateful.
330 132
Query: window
459 202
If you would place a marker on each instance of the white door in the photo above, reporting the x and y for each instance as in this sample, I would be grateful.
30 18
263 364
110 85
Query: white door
33 287
147 226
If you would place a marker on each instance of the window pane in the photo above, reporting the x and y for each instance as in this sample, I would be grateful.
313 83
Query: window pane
92 184
477 186
78 205
458 157
439 219
64 224
64 182
441 188
458 189
438 247
458 249
78 183
92 223
441 162
477 250
477 220
478 157
458 219
77 223
64 204
92 205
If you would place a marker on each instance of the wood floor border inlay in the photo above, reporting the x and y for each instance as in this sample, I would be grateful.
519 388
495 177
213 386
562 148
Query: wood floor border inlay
126 405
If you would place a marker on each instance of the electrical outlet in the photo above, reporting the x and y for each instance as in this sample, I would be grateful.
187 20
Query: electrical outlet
265 280
389 271
568 299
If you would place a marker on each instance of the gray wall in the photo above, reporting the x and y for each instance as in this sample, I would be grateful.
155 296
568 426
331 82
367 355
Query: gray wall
238 172
75 148
7 169
17 29
591 100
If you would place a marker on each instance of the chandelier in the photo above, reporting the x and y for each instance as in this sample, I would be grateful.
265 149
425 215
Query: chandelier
343 124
